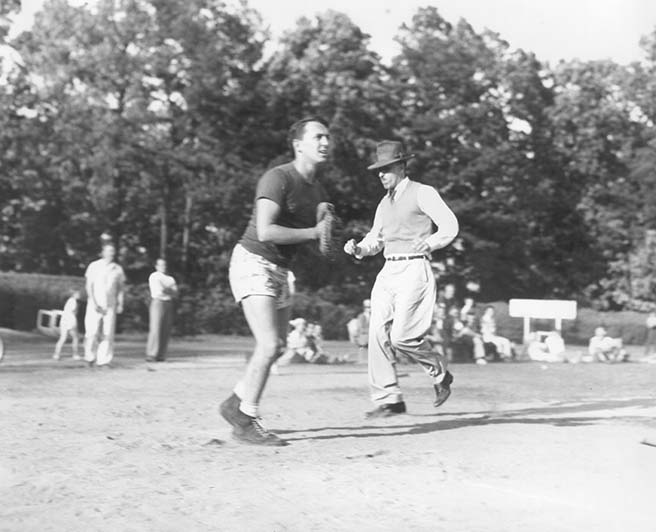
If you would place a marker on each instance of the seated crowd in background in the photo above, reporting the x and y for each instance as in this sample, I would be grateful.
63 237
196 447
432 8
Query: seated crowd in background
358 330
604 348
463 335
305 345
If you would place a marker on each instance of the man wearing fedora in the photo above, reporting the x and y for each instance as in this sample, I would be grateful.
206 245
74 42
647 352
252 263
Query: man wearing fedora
403 296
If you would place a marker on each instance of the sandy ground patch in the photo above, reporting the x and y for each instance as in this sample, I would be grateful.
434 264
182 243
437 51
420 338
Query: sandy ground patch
142 448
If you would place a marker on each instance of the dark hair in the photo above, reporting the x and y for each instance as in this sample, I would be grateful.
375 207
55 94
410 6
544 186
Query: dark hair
297 129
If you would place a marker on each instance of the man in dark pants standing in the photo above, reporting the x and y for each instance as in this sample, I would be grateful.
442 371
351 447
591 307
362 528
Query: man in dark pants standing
163 290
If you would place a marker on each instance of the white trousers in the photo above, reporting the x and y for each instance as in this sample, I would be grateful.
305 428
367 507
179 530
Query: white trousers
402 304
99 336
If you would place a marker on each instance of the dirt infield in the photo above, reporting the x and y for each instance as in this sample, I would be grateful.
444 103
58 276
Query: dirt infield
141 448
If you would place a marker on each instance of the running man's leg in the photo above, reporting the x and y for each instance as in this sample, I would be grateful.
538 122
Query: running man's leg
413 316
263 319
383 380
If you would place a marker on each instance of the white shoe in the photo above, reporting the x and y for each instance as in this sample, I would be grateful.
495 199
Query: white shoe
55 356
481 361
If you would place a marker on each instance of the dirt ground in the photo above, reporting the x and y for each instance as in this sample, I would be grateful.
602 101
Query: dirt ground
141 447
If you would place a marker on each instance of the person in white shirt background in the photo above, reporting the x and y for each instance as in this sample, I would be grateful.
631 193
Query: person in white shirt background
105 285
68 326
404 294
163 290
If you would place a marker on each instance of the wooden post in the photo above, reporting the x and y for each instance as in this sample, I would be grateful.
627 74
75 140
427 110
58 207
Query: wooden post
527 328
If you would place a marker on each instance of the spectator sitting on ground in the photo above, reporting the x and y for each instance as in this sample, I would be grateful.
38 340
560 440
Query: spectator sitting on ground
502 345
305 345
603 348
650 341
552 349
467 342
436 336
298 348
467 308
358 329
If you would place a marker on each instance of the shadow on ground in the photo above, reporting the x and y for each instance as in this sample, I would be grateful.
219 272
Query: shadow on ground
527 416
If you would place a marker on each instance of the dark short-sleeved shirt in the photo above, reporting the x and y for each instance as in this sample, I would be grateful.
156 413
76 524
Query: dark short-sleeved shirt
298 199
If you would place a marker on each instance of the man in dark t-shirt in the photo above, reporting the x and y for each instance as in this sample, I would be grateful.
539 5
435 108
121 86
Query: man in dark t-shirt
287 213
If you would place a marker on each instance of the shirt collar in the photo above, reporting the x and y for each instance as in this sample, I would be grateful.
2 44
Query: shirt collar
398 189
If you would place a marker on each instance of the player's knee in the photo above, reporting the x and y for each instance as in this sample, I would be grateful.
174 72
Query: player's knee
402 342
268 348
397 341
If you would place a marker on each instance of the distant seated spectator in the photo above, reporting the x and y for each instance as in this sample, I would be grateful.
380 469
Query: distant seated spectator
305 345
650 341
298 347
467 308
358 329
603 348
501 345
551 349
436 335
467 343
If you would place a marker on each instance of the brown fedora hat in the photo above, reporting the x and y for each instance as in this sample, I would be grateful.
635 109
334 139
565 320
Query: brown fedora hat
389 152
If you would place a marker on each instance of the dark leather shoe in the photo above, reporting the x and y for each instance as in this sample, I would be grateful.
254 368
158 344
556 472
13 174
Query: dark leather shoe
443 390
256 434
387 410
229 410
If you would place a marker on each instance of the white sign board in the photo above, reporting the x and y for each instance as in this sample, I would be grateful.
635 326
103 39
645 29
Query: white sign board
546 309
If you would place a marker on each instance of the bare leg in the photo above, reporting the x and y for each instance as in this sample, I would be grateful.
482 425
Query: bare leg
60 343
262 317
76 345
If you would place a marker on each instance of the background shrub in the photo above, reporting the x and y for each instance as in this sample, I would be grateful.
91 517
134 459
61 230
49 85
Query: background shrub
215 311
22 295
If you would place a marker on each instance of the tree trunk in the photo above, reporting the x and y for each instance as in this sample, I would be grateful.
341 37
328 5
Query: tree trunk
186 229
163 228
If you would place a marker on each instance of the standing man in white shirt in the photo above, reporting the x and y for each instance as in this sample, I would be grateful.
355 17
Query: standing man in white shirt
403 296
163 289
105 293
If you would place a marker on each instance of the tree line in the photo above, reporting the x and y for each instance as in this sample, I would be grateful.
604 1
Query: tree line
153 120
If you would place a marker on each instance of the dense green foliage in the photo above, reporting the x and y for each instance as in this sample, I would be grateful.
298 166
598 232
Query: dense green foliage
154 119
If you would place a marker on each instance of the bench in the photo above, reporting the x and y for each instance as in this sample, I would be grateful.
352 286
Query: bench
542 309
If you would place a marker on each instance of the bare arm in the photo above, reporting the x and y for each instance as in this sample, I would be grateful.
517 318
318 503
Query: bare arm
269 231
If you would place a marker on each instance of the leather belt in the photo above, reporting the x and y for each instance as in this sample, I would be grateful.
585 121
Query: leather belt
405 257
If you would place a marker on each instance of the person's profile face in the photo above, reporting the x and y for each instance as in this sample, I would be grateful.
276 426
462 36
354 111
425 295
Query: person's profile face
314 145
391 175
160 266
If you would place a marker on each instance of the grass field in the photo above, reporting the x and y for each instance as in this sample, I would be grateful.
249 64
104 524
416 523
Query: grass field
141 448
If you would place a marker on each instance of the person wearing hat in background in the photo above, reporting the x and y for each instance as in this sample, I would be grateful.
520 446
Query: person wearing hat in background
403 296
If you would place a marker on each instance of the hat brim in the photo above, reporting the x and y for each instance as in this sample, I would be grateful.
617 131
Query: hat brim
383 164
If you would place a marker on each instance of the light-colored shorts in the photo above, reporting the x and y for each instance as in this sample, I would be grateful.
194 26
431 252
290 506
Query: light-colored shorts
253 275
